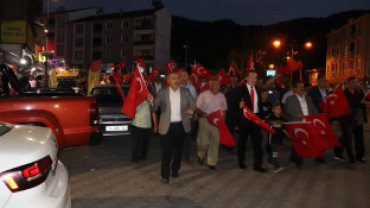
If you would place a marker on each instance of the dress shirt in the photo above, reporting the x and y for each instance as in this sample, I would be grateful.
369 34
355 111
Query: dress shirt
323 93
192 90
209 102
286 95
255 105
158 86
175 105
303 104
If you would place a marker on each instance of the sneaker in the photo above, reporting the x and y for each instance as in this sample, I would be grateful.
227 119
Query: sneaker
353 162
361 160
278 170
269 165
340 158
137 166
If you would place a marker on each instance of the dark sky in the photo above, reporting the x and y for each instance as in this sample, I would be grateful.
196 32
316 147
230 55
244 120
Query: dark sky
241 11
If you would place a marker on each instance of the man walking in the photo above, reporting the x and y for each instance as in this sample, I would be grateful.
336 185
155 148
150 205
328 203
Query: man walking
208 136
298 106
250 95
176 105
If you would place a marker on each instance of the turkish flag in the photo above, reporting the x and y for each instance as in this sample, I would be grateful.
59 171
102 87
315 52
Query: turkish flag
215 119
248 114
222 77
204 88
250 64
169 66
292 65
121 65
300 76
154 72
136 94
324 130
305 139
118 80
200 71
139 60
243 82
195 81
335 104
131 75
148 83
278 80
367 96
234 68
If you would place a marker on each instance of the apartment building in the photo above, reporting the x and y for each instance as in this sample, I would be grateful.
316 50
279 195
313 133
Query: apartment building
117 36
348 51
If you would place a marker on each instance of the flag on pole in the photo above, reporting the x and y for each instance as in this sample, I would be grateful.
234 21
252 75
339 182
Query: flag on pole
300 75
204 88
154 72
195 81
200 71
250 64
234 68
216 119
222 77
170 66
118 80
139 60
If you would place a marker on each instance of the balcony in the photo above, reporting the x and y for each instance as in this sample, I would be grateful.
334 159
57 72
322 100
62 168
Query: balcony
144 42
144 27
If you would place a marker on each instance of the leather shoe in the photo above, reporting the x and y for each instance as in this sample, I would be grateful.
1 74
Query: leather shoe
200 161
320 160
259 169
212 167
175 174
242 166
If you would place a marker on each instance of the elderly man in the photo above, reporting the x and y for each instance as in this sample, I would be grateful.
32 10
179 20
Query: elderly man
250 95
298 106
184 82
208 136
176 105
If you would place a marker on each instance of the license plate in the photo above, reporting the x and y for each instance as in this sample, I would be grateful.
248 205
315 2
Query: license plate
116 128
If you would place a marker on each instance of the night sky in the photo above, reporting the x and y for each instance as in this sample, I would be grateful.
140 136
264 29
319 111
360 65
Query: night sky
246 12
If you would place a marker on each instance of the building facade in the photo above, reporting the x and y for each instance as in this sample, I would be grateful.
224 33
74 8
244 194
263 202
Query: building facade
348 51
118 36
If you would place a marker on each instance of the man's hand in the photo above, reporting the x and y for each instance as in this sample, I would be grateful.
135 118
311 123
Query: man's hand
241 103
149 97
155 129
189 111
301 116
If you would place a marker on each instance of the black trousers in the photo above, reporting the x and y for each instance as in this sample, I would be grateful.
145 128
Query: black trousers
140 143
358 132
172 145
298 160
345 139
255 132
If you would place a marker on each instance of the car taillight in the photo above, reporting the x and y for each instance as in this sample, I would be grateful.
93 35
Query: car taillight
94 114
27 176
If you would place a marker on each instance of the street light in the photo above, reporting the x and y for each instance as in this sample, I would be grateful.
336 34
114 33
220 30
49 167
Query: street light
277 43
23 61
308 45
271 66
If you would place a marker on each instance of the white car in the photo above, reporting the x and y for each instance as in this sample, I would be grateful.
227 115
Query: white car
30 173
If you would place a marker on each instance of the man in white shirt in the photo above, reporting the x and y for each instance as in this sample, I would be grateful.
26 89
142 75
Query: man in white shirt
208 135
298 106
157 84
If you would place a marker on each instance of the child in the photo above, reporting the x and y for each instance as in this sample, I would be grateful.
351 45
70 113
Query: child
276 122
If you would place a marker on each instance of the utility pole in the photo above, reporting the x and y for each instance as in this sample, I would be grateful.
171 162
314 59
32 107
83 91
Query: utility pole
186 46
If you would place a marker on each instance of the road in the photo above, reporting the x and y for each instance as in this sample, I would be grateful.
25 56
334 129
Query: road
102 176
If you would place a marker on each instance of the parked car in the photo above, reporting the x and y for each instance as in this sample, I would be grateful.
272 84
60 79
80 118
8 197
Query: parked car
70 114
30 173
111 121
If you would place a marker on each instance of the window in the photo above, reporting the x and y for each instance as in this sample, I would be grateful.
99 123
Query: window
108 39
60 50
78 55
124 39
61 21
124 24
352 48
97 42
79 41
96 55
124 53
51 21
107 54
353 30
60 36
79 28
109 25
97 28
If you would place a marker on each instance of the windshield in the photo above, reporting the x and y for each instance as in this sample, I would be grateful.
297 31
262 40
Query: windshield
4 128
109 94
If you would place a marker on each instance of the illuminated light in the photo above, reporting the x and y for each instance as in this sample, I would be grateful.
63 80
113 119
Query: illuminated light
277 43
11 183
23 61
46 31
30 139
271 66
308 45
28 108
57 106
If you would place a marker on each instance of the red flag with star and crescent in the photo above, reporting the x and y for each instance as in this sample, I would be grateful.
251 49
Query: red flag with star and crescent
248 114
131 75
216 119
139 60
200 71
234 68
136 94
324 130
243 82
170 66
118 80
250 64
154 72
148 83
222 77
305 139
335 104
195 81
206 87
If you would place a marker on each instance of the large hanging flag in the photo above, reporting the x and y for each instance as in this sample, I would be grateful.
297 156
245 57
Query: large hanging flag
154 72
234 68
94 75
324 131
248 114
304 138
136 94
335 104
222 77
250 64
216 119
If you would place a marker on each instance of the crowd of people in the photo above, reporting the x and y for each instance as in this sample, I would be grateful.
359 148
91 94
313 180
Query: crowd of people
178 114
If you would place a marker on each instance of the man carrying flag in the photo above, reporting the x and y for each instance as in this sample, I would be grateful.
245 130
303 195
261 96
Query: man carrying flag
208 135
299 105
249 95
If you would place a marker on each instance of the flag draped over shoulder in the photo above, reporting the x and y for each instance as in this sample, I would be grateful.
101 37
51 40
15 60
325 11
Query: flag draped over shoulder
215 119
94 75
